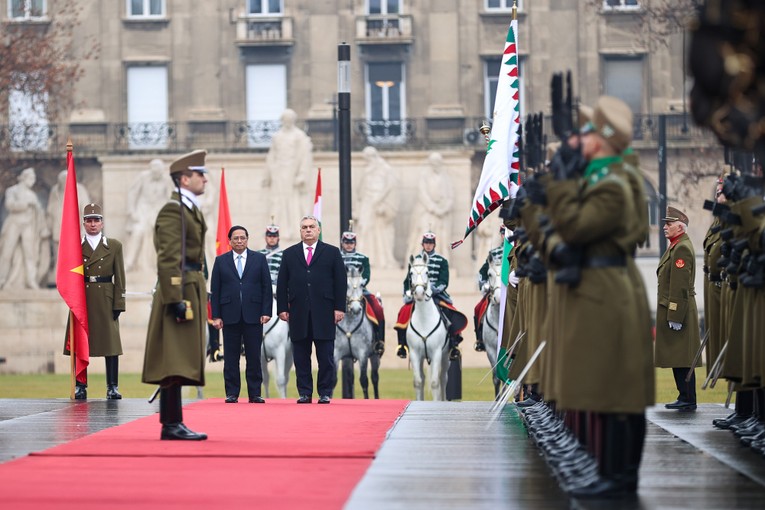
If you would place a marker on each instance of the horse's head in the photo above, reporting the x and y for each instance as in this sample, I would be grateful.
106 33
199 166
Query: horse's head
495 280
354 296
419 282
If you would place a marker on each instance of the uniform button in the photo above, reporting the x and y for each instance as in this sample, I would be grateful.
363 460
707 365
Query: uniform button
309 284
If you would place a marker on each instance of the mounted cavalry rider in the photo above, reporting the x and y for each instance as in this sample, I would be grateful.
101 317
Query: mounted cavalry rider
483 284
352 258
272 251
438 274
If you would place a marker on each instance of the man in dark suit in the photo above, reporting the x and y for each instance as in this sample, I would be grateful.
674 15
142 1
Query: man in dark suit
241 303
310 296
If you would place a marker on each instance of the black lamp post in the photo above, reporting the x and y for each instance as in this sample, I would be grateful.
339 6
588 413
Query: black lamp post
344 130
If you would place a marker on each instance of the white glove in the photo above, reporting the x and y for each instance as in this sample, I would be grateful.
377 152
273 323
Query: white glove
677 326
408 295
485 287
512 279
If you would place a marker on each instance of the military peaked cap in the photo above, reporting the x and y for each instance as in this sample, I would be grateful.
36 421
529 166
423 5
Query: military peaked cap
611 119
194 160
92 211
674 214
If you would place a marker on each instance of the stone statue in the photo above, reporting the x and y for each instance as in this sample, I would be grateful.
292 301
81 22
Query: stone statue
288 163
378 205
25 237
145 198
433 209
54 209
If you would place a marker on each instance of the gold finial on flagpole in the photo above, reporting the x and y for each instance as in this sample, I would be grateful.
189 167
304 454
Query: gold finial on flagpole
69 146
515 10
485 130
350 225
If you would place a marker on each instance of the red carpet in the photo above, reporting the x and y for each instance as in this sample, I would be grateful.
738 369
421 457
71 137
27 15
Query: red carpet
275 455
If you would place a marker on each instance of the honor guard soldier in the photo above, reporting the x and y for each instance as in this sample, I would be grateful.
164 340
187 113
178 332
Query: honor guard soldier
175 341
677 321
438 273
483 285
272 251
352 258
104 271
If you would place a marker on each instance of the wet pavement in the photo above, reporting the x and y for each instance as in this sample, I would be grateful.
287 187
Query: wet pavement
447 455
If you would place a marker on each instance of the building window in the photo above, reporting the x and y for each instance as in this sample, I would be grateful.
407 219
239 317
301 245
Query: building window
27 9
27 121
621 4
146 8
491 78
265 7
148 126
502 5
383 7
266 101
623 78
385 103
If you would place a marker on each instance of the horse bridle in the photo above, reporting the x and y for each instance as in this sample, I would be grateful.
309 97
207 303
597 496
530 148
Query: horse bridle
419 270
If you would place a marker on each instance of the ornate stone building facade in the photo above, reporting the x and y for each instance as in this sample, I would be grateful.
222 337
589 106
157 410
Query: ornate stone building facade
174 75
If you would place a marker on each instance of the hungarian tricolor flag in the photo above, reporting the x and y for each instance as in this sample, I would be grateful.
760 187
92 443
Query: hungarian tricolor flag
499 176
317 201
70 279
224 218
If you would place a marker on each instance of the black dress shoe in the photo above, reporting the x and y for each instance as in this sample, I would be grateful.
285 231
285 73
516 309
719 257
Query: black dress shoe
231 399
324 399
179 431
80 392
112 393
679 405
304 399
257 400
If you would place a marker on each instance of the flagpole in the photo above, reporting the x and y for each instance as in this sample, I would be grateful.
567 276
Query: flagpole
72 364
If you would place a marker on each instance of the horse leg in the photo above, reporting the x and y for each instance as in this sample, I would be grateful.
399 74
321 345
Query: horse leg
363 379
282 371
374 361
419 392
264 369
348 382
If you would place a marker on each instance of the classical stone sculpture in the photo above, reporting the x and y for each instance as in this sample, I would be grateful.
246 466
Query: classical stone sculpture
25 237
145 198
433 209
54 209
288 163
377 206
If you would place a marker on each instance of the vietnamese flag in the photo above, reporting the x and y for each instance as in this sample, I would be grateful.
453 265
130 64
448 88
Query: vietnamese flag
317 201
70 281
224 218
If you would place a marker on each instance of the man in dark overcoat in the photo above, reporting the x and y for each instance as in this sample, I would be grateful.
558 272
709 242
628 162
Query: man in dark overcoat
104 272
677 319
176 338
310 296
241 302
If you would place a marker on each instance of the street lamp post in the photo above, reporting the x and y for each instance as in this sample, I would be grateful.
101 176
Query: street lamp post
344 130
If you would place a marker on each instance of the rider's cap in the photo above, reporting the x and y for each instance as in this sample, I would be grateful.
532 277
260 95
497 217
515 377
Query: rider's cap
272 230
428 237
349 237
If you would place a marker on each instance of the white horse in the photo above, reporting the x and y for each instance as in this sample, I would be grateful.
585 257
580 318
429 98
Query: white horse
427 332
354 338
277 347
490 324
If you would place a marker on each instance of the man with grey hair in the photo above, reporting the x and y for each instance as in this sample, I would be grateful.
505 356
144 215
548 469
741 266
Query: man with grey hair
310 297
677 320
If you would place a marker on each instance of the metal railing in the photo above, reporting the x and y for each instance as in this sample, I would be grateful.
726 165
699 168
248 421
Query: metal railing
243 136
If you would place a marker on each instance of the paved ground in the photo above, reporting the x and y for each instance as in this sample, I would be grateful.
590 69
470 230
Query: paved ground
449 456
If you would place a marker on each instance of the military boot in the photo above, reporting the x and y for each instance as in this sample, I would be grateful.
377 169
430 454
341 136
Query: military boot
171 417
112 371
402 348
454 351
479 345
80 391
379 346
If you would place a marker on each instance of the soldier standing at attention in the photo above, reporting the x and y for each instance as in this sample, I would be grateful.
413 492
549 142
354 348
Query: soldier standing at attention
352 258
104 272
175 341
677 321
272 251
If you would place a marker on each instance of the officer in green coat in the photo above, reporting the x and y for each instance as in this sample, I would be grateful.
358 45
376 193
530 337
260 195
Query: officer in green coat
104 272
175 342
677 320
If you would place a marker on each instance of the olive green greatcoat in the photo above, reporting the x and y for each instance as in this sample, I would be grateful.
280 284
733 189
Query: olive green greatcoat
597 343
712 291
103 298
677 303
175 352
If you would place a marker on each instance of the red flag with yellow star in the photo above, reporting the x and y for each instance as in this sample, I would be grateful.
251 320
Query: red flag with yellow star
70 281
224 218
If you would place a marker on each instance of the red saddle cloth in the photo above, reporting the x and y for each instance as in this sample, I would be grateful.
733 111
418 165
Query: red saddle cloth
459 321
